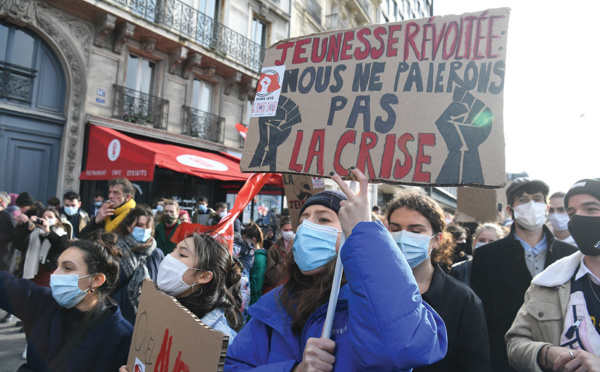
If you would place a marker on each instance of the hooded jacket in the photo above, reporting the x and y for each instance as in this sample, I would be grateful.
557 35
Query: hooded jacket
380 324
541 319
500 278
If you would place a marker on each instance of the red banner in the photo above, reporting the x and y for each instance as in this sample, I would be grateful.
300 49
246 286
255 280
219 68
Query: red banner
224 229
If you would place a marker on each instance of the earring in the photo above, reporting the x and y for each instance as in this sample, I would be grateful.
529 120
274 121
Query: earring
92 290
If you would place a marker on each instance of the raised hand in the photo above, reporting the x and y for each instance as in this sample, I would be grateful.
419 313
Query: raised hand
107 209
356 208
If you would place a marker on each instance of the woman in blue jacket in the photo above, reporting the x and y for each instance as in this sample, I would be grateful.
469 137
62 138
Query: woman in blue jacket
380 323
73 325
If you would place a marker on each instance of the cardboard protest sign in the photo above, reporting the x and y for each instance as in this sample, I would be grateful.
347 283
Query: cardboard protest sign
298 188
168 338
415 102
477 205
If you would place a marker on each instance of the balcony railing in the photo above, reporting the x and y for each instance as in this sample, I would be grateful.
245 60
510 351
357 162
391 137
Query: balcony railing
140 108
314 9
203 125
190 23
16 82
335 22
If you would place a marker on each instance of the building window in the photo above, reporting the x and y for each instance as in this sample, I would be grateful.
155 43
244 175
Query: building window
202 96
17 56
140 74
259 32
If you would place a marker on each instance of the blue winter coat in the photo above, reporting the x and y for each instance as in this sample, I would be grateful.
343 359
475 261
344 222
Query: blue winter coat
381 322
105 349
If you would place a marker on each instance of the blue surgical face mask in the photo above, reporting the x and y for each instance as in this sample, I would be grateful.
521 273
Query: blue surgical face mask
71 210
65 289
202 208
98 204
159 208
314 245
415 247
141 235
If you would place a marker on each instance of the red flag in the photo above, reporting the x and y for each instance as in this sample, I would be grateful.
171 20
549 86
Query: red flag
224 229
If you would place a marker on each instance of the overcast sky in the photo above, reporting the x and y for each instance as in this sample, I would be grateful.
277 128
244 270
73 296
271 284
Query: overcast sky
551 97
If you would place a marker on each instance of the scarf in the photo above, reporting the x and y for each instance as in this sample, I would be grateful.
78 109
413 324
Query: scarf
111 222
133 264
37 250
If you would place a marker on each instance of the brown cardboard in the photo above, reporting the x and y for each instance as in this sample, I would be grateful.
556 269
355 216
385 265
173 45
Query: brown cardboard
298 188
479 205
169 338
386 99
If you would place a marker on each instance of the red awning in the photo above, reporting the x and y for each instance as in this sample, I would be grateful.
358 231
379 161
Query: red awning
112 154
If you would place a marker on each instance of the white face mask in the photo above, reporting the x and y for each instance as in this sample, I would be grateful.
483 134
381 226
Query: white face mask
288 235
479 244
170 276
559 221
52 221
531 216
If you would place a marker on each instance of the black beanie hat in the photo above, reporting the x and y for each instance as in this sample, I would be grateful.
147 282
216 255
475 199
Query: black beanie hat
24 200
585 186
329 199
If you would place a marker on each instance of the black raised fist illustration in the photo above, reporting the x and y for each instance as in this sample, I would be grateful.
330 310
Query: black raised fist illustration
273 131
465 124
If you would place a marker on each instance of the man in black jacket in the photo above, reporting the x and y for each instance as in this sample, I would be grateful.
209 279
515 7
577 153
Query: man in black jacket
502 270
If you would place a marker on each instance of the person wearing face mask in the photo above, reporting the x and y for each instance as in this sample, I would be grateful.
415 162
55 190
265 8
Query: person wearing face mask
73 325
559 219
502 271
205 278
276 272
202 275
380 323
202 214
167 226
461 251
140 259
158 211
73 213
97 204
557 328
220 212
485 233
45 240
417 225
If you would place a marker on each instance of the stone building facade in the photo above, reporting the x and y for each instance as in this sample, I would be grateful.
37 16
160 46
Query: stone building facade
177 71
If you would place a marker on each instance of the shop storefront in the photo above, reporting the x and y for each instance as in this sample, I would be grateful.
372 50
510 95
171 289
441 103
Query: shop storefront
170 171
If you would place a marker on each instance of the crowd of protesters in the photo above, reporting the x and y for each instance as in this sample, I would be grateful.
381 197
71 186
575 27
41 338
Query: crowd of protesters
419 290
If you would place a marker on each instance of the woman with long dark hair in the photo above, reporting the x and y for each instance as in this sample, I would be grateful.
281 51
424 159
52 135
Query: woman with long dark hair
73 325
205 278
140 258
380 323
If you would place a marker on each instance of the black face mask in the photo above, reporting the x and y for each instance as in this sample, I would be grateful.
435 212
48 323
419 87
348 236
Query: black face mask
586 232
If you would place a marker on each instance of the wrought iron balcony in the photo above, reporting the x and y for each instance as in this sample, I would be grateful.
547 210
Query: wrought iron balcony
140 108
192 24
16 82
203 125
314 9
335 22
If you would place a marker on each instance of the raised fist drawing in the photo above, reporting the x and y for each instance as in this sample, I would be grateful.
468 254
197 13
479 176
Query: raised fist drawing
273 131
264 84
465 124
